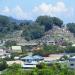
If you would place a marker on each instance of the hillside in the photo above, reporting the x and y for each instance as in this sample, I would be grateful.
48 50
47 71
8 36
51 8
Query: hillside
44 28
55 34
58 33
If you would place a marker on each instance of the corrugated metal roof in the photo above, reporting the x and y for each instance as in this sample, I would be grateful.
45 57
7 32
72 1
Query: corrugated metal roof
37 57
32 57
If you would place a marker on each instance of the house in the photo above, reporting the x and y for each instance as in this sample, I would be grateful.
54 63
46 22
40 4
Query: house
32 58
27 59
16 49
73 45
31 61
47 40
2 52
28 43
72 62
30 65
2 42
15 61
52 58
50 42
37 58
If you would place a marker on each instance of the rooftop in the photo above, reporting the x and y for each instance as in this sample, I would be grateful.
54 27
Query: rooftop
32 57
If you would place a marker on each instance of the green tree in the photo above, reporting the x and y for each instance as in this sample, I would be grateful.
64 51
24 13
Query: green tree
45 21
70 49
4 20
10 43
71 27
57 21
3 65
33 32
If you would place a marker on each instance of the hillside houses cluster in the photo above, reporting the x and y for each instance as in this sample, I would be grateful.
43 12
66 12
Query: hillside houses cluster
52 37
30 61
29 46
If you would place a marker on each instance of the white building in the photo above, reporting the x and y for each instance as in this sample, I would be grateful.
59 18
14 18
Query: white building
30 65
50 42
53 58
31 61
2 52
73 45
16 49
72 62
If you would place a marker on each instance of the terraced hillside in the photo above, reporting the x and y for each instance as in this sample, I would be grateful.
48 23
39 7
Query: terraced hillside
57 33
52 35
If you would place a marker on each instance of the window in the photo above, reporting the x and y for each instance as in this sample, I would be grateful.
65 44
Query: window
71 64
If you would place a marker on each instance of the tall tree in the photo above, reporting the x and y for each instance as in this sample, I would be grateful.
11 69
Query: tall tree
46 21
57 21
71 27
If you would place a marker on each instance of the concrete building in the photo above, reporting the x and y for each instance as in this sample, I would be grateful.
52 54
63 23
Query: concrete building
31 61
52 58
16 49
72 62
52 42
2 52
32 58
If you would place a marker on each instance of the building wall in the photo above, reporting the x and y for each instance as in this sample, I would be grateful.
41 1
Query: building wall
16 49
71 64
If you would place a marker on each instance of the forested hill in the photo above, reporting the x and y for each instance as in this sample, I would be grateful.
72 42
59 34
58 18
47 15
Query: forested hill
33 29
9 25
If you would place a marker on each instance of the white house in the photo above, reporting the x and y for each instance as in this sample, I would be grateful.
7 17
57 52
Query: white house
16 49
71 63
2 52
51 42
31 61
30 65
73 45
52 58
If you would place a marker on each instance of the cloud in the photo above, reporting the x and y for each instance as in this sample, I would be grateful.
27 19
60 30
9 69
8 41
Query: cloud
16 12
20 13
71 15
50 9
59 9
5 11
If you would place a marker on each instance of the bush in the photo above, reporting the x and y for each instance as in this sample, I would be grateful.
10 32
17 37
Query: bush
3 65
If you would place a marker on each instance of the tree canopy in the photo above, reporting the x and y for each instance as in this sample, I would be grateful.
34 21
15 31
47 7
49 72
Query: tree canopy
71 27
57 21
42 69
46 21
10 43
33 32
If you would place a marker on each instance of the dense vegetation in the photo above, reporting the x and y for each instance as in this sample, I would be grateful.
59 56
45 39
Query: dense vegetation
71 27
42 69
53 49
31 30
45 21
48 22
10 43
6 26
40 26
49 49
3 65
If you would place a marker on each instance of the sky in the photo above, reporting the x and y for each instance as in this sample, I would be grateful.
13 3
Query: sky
31 9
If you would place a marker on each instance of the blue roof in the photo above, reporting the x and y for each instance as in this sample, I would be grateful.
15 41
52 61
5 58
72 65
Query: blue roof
37 57
27 57
32 57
